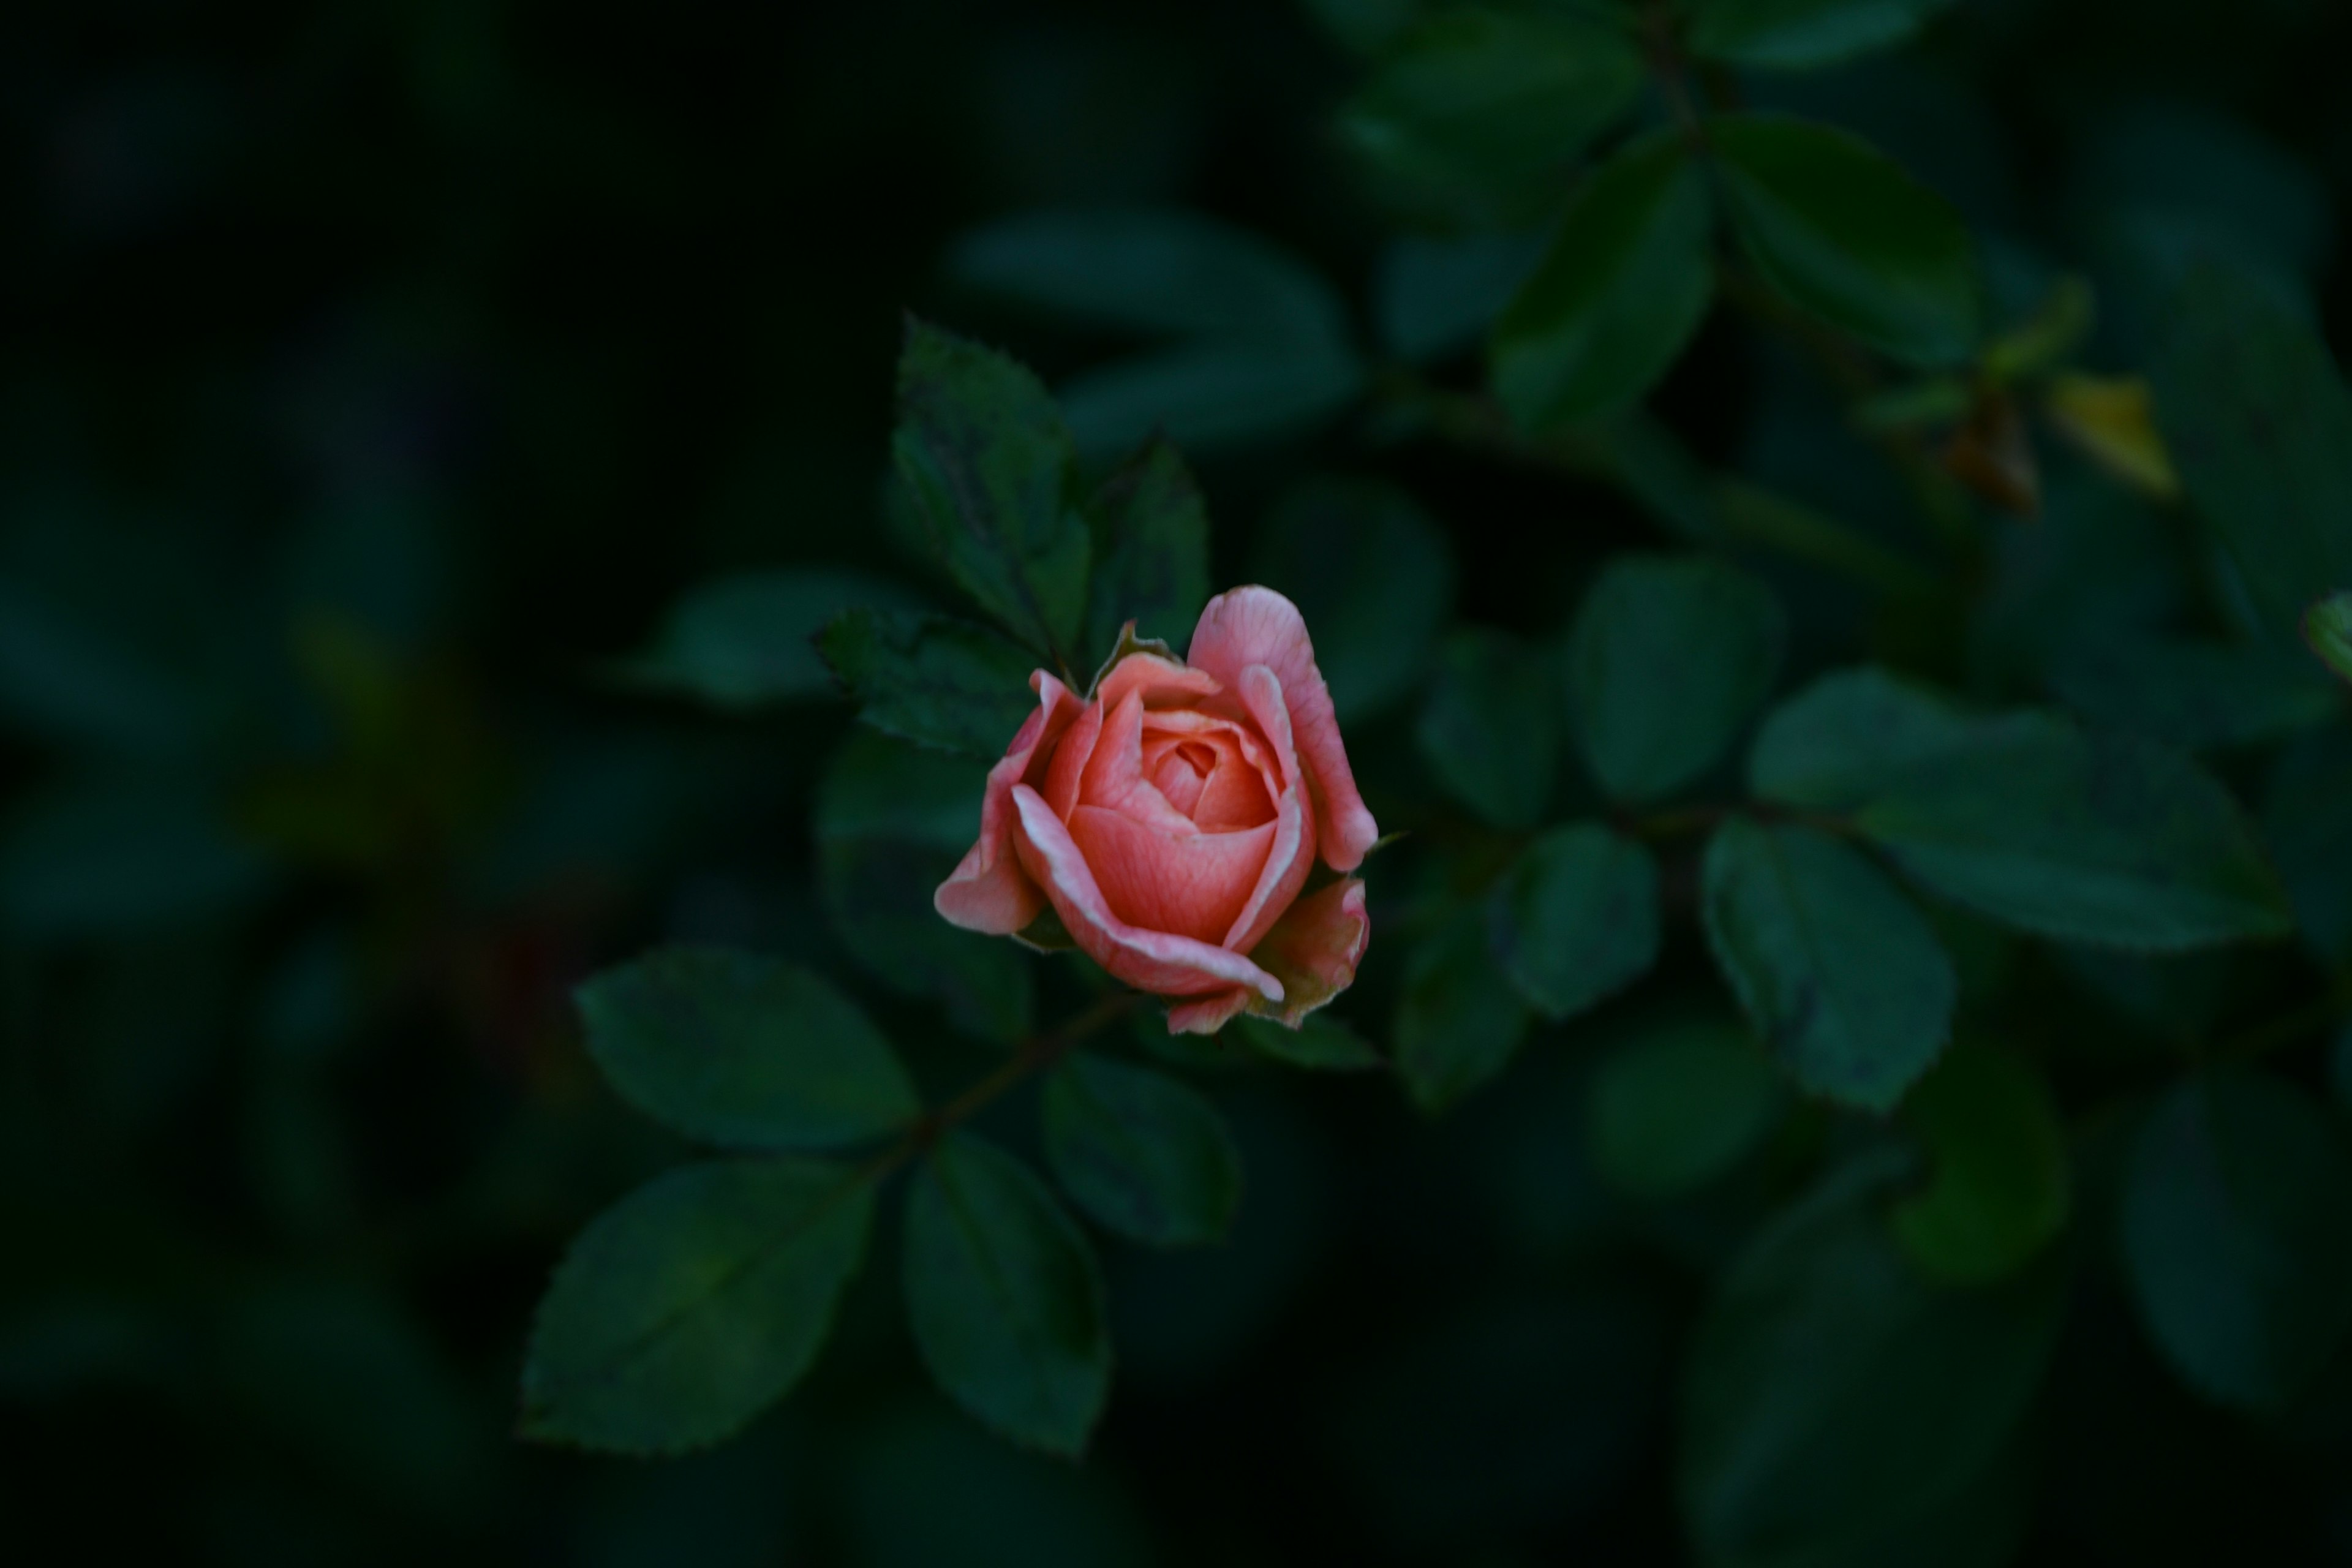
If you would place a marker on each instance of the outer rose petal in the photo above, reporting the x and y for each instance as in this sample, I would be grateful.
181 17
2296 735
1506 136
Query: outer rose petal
988 893
1209 1014
1156 961
1314 949
1292 853
1163 682
1258 625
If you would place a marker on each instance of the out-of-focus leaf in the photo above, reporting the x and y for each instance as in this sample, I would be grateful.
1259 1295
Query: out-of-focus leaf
1432 297
1678 1104
1460 1020
1373 577
1004 1296
2113 422
986 462
1834 1397
1847 236
1625 283
1478 115
1837 971
741 1050
693 1303
62 677
2237 1222
1151 549
2310 834
1320 1042
985 1504
98 855
741 641
2001 1188
1209 394
2260 425
2327 627
1366 27
1853 734
1798 35
1144 1155
1490 728
2196 695
891 823
1575 920
1668 659
2107 839
933 680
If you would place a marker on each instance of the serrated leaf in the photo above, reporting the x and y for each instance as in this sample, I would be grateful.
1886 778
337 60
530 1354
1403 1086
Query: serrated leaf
1151 549
1798 35
2258 424
1144 1155
741 1050
1679 1104
1575 920
693 1303
1004 1296
1842 976
1373 576
1853 734
1320 1042
1846 234
1490 726
1459 1021
2103 839
2237 1222
932 680
1622 289
1668 657
1478 115
981 454
1999 1186
741 641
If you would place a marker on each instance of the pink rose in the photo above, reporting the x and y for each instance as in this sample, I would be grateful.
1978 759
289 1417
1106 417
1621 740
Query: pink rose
1171 818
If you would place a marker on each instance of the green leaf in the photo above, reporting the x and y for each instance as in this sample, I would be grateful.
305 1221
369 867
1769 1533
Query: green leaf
1212 394
2237 1224
1626 284
1575 920
1797 34
1004 1296
984 1503
1680 1104
2310 834
981 453
1459 1020
1320 1044
692 1303
2327 629
932 680
2001 1188
1841 975
112 854
1835 1399
1853 735
1146 1156
2106 839
1477 116
1489 728
891 823
742 641
1847 236
2259 426
2195 695
1669 656
1434 297
1151 549
1373 577
741 1050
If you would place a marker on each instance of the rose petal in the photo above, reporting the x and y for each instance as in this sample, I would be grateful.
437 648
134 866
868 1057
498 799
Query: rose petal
1070 758
1209 1014
1249 749
1292 853
1157 962
1192 883
1113 777
987 892
1161 682
1257 626
1314 949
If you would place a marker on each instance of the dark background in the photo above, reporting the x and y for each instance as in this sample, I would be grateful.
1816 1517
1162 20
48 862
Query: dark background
373 375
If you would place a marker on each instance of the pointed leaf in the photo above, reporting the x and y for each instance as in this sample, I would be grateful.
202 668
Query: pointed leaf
1141 1154
932 680
1151 549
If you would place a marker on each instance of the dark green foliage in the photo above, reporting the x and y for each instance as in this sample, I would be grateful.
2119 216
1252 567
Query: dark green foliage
2310 837
2198 696
1490 728
1321 1043
693 1302
1141 1154
1576 918
1459 1021
1373 576
1004 1296
2327 627
1668 659
1852 736
735 1050
1797 33
1837 971
748 641
1997 1151
1679 1103
2237 1224
930 679
1151 549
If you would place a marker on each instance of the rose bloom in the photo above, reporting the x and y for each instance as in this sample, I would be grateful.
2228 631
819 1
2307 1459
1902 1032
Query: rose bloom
1172 816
